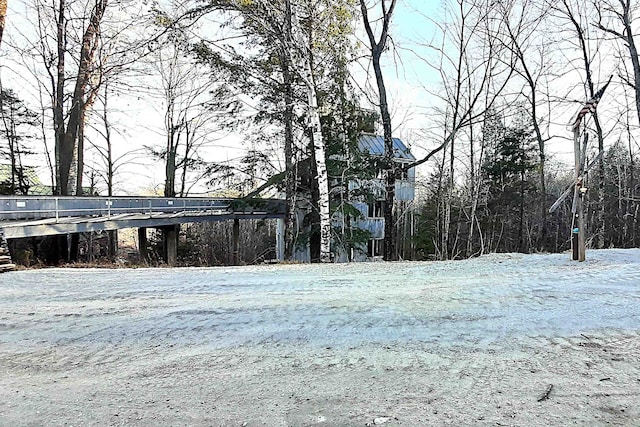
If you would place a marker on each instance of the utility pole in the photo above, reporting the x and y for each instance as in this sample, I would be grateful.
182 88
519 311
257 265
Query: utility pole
578 241
578 245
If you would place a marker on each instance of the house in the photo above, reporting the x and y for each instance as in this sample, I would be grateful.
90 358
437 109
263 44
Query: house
367 195
372 210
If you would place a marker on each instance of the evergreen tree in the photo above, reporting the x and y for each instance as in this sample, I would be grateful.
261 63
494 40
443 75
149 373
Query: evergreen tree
16 119
508 172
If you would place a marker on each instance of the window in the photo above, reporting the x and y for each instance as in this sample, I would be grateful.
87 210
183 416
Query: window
376 209
375 248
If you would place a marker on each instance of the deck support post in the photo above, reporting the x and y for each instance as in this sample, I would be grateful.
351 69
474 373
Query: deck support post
236 242
280 239
170 241
142 245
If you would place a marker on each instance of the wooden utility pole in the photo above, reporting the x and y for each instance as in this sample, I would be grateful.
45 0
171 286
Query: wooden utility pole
578 242
578 245
577 220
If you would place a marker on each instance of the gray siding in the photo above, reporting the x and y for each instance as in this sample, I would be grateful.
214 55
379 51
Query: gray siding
373 225
405 188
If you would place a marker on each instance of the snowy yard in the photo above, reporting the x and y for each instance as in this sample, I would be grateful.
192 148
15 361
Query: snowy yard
475 342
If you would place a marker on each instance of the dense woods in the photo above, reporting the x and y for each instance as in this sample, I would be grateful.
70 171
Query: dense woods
295 83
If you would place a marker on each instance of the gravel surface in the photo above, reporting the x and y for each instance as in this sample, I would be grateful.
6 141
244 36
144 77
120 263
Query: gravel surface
525 340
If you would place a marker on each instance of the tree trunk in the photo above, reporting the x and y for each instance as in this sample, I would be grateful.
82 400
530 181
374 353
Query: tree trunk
582 39
305 69
392 168
633 52
170 164
58 104
543 186
236 242
290 177
107 137
440 210
390 250
80 152
446 222
3 15
67 139
315 252
521 215
630 213
472 192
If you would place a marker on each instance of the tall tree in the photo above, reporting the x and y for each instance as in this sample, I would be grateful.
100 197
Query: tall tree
184 94
616 18
67 132
266 73
524 24
288 31
377 47
508 170
15 120
474 67
75 48
300 53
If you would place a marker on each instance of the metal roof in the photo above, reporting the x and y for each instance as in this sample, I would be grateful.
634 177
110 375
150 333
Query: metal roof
374 144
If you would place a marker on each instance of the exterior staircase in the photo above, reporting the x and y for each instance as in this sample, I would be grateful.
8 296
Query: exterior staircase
5 257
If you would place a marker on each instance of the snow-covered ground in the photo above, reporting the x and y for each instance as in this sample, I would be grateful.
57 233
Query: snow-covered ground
474 342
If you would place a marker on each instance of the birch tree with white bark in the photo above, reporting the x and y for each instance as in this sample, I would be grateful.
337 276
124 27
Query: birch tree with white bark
284 24
299 49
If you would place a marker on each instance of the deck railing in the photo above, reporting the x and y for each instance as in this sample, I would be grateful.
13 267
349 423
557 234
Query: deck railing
37 207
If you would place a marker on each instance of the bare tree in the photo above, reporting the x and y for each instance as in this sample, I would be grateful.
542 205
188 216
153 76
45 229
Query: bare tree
104 162
474 68
193 98
184 93
615 18
578 14
524 23
67 131
69 55
377 48
75 48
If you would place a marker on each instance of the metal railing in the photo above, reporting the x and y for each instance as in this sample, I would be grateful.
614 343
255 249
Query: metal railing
36 207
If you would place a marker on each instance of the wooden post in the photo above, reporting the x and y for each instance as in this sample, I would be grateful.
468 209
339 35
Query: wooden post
280 239
582 246
236 241
578 241
170 237
142 245
113 244
90 248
